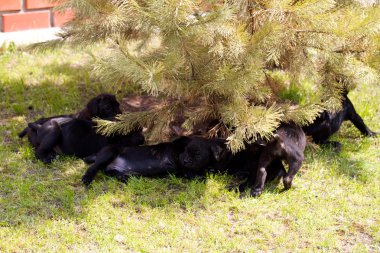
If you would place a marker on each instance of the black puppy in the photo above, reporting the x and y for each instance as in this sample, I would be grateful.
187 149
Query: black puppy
205 155
288 144
103 106
71 136
245 165
75 134
153 160
328 123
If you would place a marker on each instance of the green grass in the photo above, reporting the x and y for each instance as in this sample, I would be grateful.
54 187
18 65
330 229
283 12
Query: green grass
334 205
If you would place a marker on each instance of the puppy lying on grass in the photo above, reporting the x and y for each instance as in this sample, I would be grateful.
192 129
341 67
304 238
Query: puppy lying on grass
329 123
77 137
102 106
152 160
75 134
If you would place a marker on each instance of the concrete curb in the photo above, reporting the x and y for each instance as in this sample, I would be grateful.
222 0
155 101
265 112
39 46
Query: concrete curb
29 36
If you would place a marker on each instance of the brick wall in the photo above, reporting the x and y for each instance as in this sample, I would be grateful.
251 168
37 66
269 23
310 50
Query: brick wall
18 15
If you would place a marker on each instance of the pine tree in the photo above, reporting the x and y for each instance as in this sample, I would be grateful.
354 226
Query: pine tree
250 64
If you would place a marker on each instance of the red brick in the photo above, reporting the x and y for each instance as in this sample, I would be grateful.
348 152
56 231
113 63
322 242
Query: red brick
60 18
38 4
24 21
10 5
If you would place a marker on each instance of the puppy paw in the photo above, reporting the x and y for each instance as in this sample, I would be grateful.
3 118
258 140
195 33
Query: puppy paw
86 179
372 134
48 160
256 192
45 158
287 182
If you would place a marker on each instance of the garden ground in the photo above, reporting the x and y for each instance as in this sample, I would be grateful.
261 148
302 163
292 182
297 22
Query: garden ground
334 205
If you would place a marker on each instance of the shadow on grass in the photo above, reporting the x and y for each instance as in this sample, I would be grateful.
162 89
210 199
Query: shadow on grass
157 192
352 162
32 191
56 93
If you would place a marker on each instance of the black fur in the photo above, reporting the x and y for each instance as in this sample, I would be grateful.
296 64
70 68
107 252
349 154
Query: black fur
288 145
259 162
77 137
205 155
75 134
245 165
329 123
153 160
194 156
102 106
212 155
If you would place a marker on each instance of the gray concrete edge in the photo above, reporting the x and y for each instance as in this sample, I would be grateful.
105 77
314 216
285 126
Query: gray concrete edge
29 36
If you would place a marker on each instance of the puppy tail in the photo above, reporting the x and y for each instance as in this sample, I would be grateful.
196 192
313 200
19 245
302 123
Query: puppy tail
23 132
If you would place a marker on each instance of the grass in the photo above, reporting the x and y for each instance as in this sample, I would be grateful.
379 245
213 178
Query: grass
334 205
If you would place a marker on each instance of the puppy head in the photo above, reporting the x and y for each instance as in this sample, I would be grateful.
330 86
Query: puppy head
103 106
202 153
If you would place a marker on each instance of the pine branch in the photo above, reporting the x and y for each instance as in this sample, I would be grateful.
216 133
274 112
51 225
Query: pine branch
251 64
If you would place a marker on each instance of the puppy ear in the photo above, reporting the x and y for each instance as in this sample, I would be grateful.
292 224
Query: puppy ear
216 151
92 106
34 126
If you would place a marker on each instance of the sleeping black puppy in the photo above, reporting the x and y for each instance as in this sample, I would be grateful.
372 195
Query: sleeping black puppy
102 106
328 123
153 160
75 134
71 136
203 155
